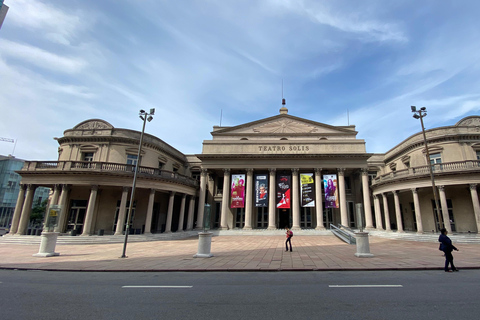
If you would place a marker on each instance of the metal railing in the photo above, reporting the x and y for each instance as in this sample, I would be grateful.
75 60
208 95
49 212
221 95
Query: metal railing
344 233
438 168
93 166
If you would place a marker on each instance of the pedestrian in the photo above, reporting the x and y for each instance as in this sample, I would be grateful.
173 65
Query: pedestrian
289 234
447 247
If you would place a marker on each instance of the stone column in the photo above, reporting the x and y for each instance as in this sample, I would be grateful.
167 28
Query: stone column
201 199
248 200
318 199
443 203
91 206
182 213
418 214
171 200
343 197
191 210
398 212
476 204
378 212
388 225
295 200
56 194
367 206
62 202
122 212
271 199
26 210
225 198
148 219
18 210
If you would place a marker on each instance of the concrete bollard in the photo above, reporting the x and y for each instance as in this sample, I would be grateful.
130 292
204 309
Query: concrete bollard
47 245
363 246
204 245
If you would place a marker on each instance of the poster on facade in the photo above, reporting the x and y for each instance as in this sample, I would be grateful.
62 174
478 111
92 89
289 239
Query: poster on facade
308 192
261 190
283 191
238 191
331 190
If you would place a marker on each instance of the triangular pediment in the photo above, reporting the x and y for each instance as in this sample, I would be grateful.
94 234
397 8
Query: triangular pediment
284 124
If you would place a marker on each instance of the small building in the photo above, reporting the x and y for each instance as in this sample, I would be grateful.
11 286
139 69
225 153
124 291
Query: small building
10 188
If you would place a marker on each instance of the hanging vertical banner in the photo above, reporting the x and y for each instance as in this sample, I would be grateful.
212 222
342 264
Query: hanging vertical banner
307 183
283 191
238 191
261 190
331 192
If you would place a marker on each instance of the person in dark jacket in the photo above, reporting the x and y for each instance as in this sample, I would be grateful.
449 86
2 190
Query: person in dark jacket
447 247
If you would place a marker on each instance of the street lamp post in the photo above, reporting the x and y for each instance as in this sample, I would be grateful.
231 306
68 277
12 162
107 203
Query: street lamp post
145 116
419 114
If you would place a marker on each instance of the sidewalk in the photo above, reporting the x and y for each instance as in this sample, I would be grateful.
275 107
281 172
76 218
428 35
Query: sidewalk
240 253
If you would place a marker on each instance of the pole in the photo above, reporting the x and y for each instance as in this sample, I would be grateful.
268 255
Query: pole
132 195
435 191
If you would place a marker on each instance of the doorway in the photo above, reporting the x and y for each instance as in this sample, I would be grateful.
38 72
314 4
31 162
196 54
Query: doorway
284 218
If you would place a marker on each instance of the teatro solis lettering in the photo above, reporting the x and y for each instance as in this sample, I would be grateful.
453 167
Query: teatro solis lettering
283 148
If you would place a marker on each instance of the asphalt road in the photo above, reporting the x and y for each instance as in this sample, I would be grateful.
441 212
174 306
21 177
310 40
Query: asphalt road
244 295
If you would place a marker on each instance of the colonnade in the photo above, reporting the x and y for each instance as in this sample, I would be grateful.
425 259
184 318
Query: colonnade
23 210
295 195
418 214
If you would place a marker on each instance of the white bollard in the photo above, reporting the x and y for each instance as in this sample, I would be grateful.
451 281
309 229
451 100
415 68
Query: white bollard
47 245
204 245
363 246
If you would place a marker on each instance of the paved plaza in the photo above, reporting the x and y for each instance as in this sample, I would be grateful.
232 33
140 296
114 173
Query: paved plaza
240 253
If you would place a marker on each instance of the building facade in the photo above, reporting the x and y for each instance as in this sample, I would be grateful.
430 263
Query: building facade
402 191
267 174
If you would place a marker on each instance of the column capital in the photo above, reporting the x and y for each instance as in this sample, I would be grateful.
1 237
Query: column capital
318 170
473 186
249 171
364 171
375 196
172 193
441 188
203 172
414 190
272 171
341 171
152 191
226 171
94 187
295 171
395 192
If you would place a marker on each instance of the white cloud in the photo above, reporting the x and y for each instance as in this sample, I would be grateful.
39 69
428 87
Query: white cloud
40 58
55 24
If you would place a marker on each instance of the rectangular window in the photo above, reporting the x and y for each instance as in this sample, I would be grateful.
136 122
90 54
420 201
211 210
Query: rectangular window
87 156
435 158
131 159
478 155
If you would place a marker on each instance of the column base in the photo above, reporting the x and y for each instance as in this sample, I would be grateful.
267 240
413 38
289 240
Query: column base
320 228
247 228
296 228
272 228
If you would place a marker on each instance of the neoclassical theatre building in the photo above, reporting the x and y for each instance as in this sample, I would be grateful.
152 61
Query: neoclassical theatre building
267 174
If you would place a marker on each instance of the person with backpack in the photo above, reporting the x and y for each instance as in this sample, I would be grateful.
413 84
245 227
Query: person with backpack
289 234
447 247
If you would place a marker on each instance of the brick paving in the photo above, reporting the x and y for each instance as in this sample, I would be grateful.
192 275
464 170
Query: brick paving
240 253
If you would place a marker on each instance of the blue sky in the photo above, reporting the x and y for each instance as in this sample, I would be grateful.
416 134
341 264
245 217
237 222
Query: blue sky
63 62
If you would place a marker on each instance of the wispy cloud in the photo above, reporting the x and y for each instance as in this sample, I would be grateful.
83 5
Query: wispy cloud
40 58
55 24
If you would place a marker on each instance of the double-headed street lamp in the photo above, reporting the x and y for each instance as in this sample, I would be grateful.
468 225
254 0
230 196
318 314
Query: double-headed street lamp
419 114
145 116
